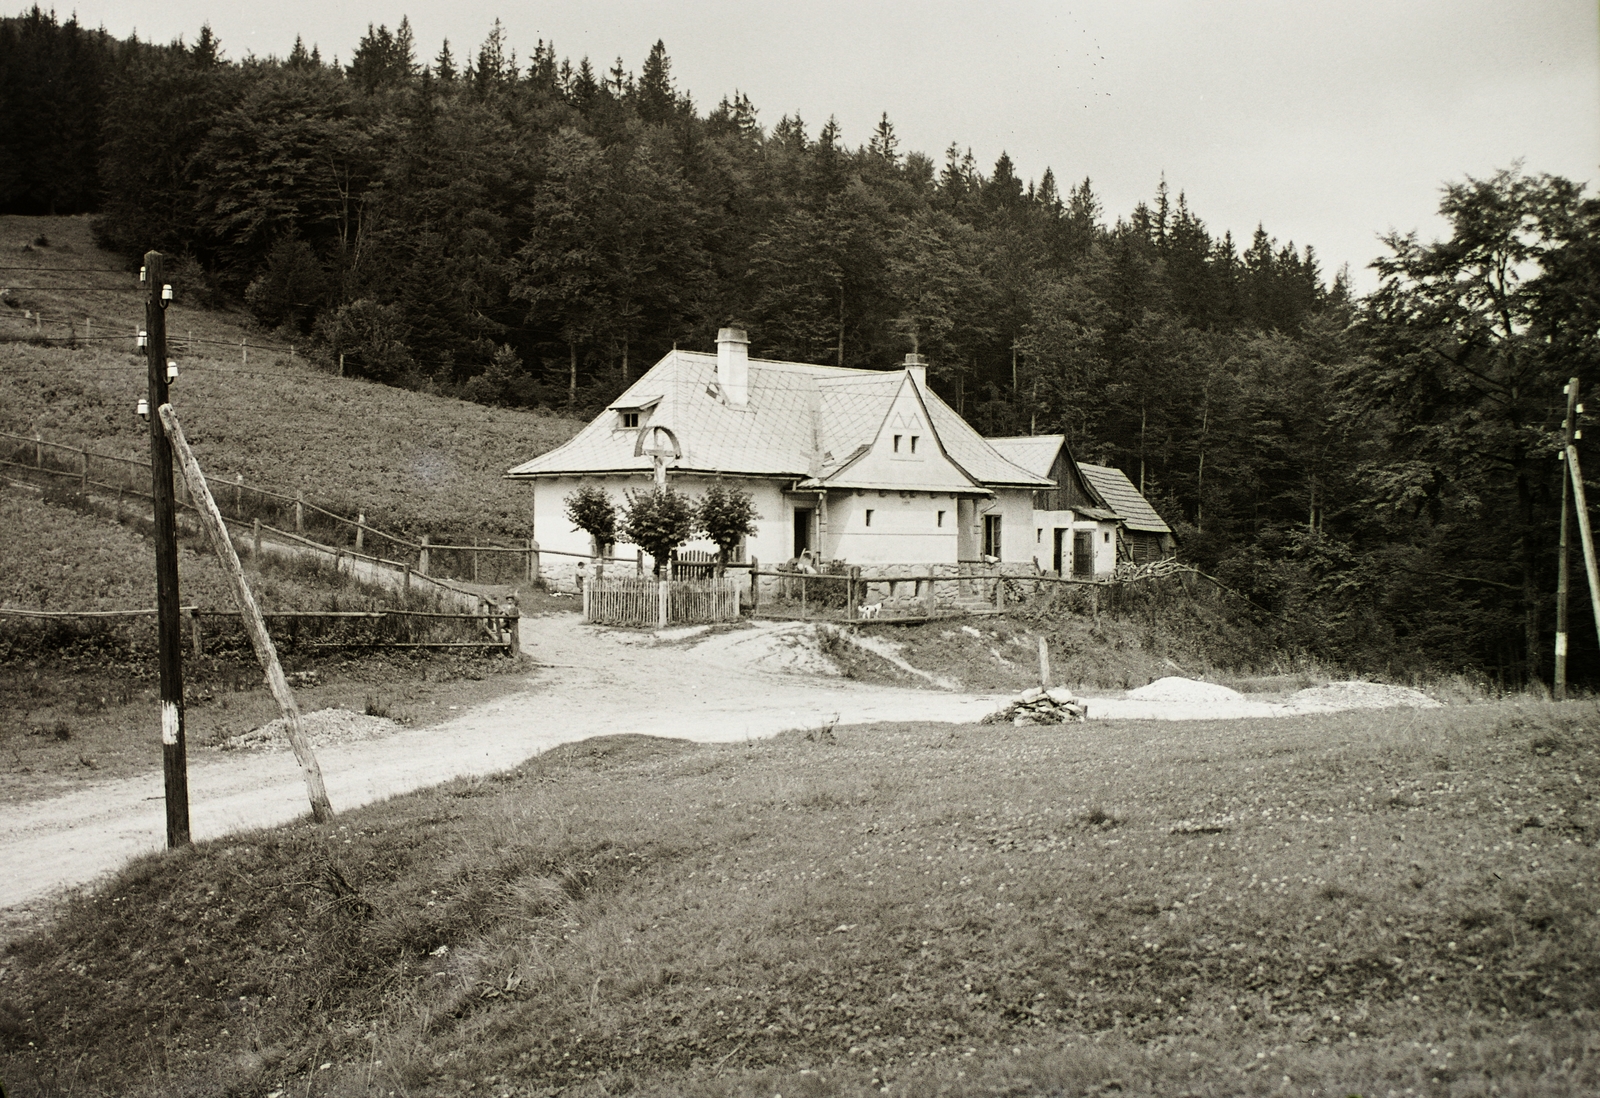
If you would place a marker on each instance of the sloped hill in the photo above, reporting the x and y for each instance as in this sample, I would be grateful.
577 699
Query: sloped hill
69 371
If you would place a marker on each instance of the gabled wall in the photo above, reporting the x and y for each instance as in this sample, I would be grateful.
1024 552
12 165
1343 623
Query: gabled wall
916 464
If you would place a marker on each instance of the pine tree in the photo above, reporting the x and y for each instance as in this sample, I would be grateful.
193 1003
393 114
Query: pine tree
444 65
883 143
403 61
657 101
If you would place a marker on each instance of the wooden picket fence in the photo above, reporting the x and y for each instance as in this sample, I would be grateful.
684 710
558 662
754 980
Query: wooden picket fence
650 603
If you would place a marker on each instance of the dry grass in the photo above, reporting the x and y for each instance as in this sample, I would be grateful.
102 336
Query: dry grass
1374 903
78 697
413 462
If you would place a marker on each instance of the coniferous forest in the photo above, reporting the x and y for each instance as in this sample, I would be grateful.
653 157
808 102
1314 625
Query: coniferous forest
1379 476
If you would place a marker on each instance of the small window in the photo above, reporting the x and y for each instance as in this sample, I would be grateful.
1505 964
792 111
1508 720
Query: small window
630 419
869 516
1108 536
1038 536
940 520
913 444
897 444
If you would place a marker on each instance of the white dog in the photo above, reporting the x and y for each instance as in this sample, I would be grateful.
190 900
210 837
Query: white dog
870 610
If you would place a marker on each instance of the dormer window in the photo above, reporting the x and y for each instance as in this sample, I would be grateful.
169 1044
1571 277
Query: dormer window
630 420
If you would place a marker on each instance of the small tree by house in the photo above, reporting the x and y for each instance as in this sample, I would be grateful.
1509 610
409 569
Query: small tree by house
658 521
590 509
726 515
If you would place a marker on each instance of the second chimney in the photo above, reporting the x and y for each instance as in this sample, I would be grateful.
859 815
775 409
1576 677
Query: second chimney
733 366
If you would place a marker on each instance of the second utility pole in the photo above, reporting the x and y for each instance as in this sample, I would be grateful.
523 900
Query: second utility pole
169 625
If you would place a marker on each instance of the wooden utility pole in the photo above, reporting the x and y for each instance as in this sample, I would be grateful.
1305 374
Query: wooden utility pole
1581 505
169 623
1563 584
254 623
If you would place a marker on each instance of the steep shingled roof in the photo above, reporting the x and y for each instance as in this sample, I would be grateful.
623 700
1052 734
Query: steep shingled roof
1035 453
801 420
1118 491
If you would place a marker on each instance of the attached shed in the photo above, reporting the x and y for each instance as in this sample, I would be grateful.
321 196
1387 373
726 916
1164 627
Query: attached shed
1091 518
1074 532
1148 537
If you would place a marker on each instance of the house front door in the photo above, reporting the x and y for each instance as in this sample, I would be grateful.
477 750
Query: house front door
802 529
1083 554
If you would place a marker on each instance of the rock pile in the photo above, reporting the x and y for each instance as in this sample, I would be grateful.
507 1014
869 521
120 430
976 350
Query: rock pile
1035 706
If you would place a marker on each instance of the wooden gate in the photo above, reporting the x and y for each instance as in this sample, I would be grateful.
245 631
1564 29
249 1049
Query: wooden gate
641 601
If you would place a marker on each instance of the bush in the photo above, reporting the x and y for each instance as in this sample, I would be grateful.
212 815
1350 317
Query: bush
658 521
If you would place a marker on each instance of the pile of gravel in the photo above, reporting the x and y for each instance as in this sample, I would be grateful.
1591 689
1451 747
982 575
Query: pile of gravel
1176 689
1358 695
323 727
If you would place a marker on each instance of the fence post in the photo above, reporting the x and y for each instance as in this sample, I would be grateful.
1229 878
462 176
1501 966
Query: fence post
474 559
533 561
1044 663
299 512
361 522
422 556
853 593
407 581
664 597
38 452
755 584
638 562
194 633
255 541
238 493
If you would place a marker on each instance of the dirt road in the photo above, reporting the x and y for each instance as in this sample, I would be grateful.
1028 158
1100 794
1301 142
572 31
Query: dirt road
591 682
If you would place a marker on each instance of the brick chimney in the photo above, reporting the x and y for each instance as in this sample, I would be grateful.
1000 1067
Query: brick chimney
733 366
917 367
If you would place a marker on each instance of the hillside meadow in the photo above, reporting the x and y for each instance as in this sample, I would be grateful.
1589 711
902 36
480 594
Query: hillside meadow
1376 903
78 696
412 461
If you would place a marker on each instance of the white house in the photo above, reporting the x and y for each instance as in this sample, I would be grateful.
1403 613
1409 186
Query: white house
1091 516
868 467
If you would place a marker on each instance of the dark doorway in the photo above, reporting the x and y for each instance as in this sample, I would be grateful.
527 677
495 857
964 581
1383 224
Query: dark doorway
802 529
1083 554
1060 539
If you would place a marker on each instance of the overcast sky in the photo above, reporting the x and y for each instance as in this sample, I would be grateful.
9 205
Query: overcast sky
1328 122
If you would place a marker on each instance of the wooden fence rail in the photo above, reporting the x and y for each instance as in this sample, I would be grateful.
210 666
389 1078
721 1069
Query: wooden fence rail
248 501
501 629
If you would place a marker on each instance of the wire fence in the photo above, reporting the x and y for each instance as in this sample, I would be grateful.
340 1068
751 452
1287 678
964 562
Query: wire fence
280 514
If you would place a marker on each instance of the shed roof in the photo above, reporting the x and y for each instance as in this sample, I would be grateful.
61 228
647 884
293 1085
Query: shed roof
1035 453
1118 491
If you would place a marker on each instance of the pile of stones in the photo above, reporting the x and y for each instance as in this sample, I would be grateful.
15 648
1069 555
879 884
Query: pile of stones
1057 705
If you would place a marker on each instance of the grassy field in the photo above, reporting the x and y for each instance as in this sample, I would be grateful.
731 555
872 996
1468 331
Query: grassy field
1393 903
413 462
78 698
